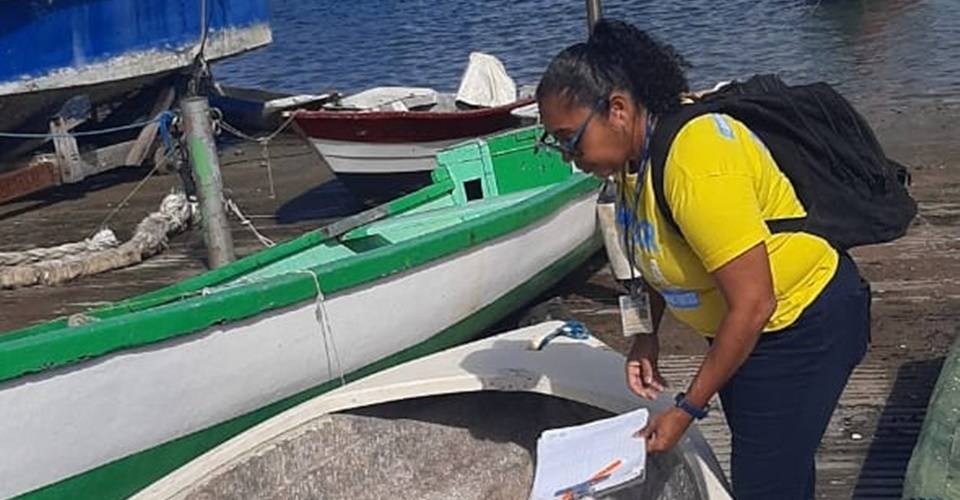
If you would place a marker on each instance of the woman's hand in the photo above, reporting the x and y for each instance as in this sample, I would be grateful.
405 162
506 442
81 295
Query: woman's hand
664 430
643 377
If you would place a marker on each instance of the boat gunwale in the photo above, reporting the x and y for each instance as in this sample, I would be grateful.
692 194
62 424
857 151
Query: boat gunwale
324 114
172 312
232 271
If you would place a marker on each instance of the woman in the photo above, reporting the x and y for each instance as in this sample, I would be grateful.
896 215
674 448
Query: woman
786 315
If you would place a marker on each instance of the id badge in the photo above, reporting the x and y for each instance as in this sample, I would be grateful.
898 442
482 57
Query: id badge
635 316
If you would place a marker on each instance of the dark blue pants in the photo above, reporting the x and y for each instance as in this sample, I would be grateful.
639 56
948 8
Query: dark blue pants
779 402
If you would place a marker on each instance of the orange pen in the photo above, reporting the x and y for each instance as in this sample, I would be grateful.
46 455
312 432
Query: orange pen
606 471
579 489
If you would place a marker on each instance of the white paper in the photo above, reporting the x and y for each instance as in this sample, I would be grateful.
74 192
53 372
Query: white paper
573 455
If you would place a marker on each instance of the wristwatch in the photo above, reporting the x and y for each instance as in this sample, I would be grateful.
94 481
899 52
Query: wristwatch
690 408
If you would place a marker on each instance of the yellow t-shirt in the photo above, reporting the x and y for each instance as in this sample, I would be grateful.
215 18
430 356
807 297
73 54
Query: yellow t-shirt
722 184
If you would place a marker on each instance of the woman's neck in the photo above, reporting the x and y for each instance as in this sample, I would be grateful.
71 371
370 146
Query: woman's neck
638 140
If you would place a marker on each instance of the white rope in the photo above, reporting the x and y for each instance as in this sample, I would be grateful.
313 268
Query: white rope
175 215
323 319
80 319
263 141
246 222
103 240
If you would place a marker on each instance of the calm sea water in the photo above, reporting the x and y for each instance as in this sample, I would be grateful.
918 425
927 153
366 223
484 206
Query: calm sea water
884 49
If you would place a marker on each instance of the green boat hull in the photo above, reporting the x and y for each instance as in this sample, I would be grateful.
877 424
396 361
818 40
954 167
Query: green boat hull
934 468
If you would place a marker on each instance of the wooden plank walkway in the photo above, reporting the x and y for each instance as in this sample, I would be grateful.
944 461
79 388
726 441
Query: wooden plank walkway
868 442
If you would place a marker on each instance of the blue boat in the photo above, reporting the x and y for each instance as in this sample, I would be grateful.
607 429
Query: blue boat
101 63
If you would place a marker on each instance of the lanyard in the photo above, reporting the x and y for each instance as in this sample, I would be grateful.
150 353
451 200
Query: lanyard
629 241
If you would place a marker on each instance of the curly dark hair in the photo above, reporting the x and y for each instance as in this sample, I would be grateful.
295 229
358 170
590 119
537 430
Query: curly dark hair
617 56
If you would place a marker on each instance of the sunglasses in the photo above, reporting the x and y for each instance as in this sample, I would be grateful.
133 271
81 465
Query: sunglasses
571 146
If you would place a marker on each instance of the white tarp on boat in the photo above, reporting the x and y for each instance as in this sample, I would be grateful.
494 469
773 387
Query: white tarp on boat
390 99
486 82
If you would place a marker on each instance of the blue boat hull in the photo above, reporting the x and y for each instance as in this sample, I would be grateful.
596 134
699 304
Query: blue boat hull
105 51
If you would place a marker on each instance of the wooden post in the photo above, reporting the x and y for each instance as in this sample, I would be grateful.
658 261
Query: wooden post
202 147
593 14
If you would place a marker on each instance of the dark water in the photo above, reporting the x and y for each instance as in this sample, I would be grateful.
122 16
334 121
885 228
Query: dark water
884 49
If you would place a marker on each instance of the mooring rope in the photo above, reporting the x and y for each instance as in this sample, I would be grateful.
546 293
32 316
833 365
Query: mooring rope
176 214
103 240
123 202
263 141
326 331
169 120
164 115
246 222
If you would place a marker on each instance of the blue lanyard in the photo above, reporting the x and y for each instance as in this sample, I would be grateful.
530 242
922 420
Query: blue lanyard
644 157
629 244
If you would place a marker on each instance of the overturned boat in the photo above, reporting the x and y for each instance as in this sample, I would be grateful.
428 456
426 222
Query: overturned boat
100 404
462 423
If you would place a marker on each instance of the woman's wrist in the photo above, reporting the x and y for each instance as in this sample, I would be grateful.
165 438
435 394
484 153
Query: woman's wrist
645 341
647 347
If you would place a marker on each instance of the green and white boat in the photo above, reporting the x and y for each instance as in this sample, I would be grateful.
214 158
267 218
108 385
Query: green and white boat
101 404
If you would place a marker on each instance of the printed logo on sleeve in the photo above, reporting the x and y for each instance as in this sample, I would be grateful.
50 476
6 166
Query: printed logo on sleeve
681 299
722 126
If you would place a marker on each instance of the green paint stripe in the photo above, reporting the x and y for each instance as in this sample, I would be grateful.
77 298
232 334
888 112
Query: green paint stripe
47 349
202 166
122 478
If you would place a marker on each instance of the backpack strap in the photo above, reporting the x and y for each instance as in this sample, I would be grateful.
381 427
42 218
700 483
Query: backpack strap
664 133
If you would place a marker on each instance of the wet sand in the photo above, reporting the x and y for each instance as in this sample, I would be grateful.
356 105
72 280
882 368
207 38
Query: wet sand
916 280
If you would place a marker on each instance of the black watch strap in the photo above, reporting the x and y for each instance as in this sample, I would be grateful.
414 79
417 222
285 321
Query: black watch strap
690 408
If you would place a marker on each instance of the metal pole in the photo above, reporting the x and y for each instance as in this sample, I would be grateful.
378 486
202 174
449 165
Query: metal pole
206 172
593 14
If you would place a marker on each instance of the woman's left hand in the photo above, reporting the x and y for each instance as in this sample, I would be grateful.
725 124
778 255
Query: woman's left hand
664 430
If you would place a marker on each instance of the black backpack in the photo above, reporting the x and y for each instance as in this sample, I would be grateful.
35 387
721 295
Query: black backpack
853 194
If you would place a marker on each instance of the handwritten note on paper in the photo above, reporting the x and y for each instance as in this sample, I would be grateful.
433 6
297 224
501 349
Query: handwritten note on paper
589 458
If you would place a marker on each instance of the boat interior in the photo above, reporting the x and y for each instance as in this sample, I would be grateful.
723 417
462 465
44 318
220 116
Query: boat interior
420 448
471 181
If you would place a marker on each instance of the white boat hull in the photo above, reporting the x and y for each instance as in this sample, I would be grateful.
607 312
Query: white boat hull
366 158
63 422
583 371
